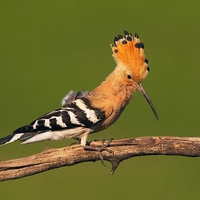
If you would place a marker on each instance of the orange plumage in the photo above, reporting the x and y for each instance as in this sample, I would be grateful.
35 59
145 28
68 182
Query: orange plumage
129 51
115 92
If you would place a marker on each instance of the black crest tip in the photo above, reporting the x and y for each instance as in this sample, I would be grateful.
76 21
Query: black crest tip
126 32
115 39
136 35
120 37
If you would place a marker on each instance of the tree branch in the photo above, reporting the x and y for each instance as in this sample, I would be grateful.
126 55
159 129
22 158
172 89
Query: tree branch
122 149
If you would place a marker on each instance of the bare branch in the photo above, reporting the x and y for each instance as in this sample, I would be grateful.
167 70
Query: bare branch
122 149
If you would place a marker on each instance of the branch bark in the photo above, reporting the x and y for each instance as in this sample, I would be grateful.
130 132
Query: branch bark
122 150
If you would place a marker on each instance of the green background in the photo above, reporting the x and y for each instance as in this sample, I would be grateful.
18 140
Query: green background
48 48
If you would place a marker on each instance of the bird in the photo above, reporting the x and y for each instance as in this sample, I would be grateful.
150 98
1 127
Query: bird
86 112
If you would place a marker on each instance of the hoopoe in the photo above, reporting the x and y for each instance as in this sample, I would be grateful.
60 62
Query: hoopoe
83 113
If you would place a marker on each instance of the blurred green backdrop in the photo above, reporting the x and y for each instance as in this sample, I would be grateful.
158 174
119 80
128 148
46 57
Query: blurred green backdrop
49 47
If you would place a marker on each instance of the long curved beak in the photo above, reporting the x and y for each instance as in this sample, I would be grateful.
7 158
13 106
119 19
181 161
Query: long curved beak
141 89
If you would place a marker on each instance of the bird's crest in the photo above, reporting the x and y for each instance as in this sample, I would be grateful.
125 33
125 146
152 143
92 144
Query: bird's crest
128 52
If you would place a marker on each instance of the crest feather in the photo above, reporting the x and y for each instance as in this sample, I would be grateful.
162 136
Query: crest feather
129 52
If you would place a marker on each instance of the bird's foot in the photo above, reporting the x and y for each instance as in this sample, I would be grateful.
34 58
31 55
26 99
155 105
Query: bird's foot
103 147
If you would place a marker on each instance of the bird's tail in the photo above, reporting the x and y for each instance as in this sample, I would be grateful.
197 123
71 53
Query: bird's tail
14 137
10 138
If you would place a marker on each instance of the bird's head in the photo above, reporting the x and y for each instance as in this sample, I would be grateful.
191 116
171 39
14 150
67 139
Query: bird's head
128 52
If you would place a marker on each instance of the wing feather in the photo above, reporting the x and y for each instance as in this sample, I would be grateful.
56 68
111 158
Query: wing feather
79 113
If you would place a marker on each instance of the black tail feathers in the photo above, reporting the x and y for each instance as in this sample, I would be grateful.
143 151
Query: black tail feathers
15 137
8 139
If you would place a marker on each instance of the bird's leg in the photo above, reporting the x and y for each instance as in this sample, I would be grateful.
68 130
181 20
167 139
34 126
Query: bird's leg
100 149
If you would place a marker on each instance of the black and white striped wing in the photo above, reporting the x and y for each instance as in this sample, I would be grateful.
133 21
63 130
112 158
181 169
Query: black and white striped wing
78 113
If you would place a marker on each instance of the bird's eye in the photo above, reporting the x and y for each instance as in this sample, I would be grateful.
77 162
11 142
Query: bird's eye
129 76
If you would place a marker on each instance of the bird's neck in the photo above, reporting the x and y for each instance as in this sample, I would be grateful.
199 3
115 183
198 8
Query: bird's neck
115 89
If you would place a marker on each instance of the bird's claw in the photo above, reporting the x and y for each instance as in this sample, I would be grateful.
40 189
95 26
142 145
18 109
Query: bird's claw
103 147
